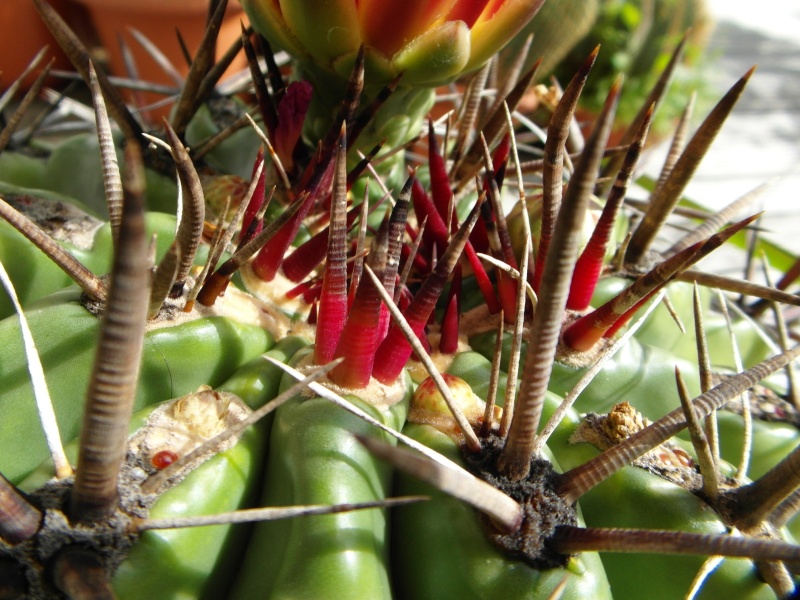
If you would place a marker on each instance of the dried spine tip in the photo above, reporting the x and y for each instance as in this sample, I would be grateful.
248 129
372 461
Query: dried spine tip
495 125
201 63
368 320
15 86
650 105
332 307
590 264
469 113
575 539
610 317
190 228
216 71
395 351
19 519
666 197
265 101
515 459
554 149
113 383
112 180
79 56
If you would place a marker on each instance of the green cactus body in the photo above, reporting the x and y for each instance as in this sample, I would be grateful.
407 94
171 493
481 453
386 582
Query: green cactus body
440 549
636 498
199 561
65 334
314 458
35 276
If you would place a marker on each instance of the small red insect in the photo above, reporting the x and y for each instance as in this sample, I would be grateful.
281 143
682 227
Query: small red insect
163 459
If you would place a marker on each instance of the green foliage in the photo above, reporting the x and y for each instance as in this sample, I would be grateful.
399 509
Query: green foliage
636 39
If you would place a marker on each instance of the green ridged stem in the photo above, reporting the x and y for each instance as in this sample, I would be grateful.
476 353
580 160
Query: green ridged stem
65 334
199 561
441 551
314 458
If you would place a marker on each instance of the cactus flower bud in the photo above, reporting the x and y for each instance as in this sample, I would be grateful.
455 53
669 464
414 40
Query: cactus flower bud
430 41
429 407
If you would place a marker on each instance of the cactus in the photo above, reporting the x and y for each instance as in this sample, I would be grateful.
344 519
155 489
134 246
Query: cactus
549 389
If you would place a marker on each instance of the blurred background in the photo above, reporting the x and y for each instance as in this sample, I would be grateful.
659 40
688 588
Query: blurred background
761 140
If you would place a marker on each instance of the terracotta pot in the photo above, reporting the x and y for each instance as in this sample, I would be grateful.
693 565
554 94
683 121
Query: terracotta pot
159 20
22 35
